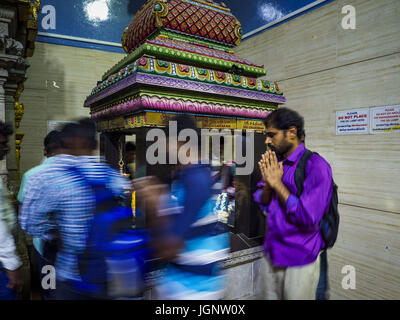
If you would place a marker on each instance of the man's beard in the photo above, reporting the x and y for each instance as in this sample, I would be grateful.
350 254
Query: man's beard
271 148
282 149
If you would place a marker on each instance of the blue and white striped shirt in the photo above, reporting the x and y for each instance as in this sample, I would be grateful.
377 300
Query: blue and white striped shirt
59 198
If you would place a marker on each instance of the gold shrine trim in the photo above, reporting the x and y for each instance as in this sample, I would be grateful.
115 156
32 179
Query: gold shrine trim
161 119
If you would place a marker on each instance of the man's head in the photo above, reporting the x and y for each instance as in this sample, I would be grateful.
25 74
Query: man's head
79 138
284 128
5 132
130 152
52 144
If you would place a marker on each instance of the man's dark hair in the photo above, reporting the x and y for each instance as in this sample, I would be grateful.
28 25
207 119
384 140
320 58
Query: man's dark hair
52 141
303 137
5 129
84 128
283 119
130 146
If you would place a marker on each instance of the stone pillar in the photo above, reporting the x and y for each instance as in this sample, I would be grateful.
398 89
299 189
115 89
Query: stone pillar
13 179
18 29
12 71
3 79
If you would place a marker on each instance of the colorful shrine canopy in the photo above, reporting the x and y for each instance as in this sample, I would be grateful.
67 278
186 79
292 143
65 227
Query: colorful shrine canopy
180 60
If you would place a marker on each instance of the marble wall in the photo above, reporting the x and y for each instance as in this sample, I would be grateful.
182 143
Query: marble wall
59 79
322 68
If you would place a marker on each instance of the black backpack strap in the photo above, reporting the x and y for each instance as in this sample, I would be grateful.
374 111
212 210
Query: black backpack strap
300 173
329 225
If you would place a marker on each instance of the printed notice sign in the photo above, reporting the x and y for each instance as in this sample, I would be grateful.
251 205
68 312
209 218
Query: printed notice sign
352 121
384 119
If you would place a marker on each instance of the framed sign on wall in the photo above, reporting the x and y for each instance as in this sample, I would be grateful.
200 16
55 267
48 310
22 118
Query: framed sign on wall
354 121
384 119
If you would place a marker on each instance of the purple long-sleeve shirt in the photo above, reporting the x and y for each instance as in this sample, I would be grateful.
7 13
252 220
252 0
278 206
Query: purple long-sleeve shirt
293 237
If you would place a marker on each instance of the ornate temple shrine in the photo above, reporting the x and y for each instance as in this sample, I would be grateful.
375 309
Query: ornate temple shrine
180 59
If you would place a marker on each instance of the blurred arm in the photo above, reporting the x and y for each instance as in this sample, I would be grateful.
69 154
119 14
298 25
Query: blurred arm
8 257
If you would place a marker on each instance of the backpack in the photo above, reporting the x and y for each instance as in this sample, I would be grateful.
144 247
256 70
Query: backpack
112 264
329 225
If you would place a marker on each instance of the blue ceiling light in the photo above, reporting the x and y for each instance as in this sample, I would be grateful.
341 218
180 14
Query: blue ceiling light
270 12
97 10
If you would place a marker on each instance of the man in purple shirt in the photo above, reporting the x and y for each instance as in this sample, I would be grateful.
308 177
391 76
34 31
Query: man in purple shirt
293 241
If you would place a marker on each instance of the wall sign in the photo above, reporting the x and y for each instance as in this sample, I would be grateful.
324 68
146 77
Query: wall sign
354 121
384 119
